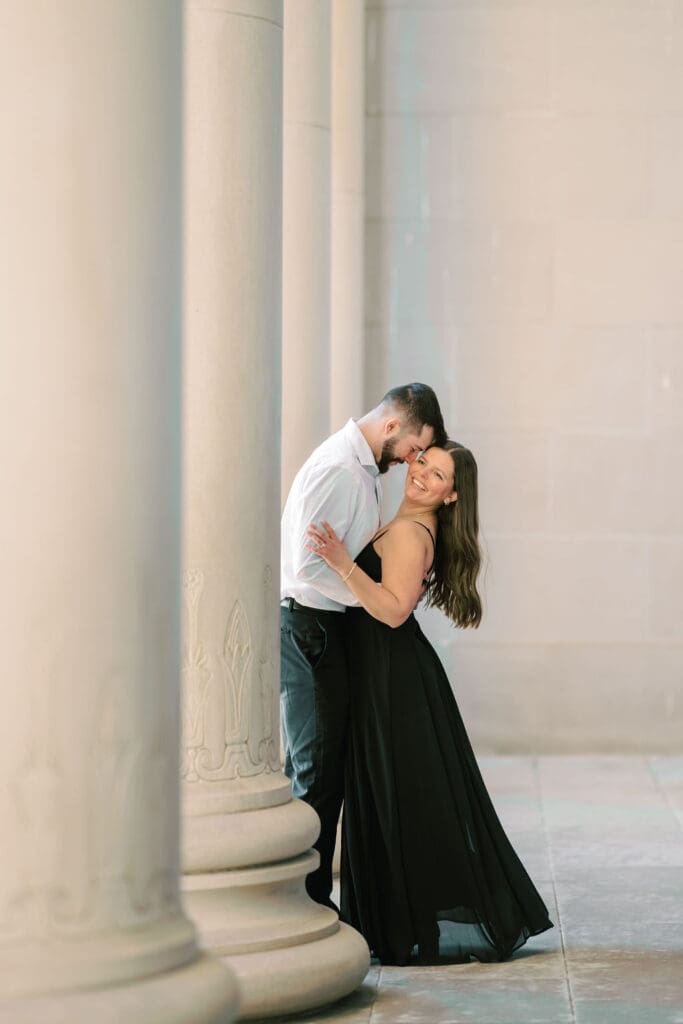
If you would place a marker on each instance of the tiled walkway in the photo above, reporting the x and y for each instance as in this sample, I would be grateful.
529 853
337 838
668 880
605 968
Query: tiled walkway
602 838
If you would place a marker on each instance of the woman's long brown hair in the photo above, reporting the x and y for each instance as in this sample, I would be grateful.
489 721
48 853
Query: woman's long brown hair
457 558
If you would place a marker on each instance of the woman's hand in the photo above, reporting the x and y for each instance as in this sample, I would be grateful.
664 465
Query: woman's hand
325 542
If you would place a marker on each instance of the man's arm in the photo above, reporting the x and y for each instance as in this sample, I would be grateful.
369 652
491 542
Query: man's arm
330 494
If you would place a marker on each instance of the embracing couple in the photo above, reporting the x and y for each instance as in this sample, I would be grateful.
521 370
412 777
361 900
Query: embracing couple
368 715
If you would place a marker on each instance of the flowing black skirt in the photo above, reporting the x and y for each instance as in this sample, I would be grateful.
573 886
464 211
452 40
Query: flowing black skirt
425 860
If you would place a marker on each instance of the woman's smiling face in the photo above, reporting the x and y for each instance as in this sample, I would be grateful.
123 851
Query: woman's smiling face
430 480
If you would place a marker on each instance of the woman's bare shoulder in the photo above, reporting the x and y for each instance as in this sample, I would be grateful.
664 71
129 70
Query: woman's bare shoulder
405 531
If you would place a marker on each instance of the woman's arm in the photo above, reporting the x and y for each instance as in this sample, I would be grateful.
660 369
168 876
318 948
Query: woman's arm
404 556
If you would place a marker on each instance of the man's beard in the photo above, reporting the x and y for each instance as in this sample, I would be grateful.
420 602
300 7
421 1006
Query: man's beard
388 456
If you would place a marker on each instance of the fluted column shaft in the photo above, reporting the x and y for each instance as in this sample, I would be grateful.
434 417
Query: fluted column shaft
348 211
91 926
247 843
306 232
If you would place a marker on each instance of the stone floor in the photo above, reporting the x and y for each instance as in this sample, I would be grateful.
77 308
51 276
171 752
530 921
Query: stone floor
602 837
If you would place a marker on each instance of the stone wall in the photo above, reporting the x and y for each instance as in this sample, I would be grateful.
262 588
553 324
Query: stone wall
524 246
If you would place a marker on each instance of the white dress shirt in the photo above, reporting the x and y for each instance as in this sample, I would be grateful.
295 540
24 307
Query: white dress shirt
339 482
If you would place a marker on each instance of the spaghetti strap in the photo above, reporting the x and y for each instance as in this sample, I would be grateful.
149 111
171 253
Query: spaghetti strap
431 535
428 531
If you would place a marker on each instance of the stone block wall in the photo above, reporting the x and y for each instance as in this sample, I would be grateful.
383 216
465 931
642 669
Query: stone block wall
524 254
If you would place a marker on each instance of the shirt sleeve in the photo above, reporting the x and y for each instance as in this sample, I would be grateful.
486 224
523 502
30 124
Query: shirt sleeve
331 494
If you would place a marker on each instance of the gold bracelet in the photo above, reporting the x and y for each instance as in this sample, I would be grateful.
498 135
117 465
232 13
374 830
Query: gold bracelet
345 578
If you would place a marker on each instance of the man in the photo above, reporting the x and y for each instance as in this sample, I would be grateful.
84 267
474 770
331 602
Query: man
339 482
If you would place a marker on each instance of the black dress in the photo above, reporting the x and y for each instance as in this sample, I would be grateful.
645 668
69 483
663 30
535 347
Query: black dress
425 860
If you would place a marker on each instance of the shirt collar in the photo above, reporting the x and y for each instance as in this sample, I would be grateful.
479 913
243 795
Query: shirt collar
361 448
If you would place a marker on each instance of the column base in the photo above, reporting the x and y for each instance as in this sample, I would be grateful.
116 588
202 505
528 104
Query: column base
288 953
301 977
200 992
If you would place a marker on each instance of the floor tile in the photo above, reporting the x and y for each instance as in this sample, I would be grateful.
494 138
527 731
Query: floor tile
610 934
599 817
618 894
519 813
598 771
637 985
619 1011
636 968
516 775
354 1009
572 833
455 998
533 851
667 770
668 776
582 856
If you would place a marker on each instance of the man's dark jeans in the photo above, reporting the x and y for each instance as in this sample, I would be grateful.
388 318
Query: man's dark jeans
314 702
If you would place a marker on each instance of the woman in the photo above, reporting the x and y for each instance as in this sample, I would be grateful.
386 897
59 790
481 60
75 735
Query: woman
425 861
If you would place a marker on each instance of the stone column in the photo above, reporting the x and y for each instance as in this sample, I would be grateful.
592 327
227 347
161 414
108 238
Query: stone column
247 843
306 232
91 927
348 210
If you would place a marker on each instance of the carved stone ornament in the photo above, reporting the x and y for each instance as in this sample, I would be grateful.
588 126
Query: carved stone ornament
223 682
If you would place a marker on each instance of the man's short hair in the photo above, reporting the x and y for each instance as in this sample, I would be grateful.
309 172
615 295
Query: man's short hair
418 407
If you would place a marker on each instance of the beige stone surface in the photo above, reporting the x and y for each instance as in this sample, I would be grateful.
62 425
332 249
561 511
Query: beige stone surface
501 270
632 275
524 249
394 188
91 201
414 353
348 211
564 696
522 143
666 592
327 970
246 842
347 335
667 166
596 487
666 383
305 294
559 588
554 166
200 990
514 487
614 397
467 58
307 80
608 63
601 165
306 230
